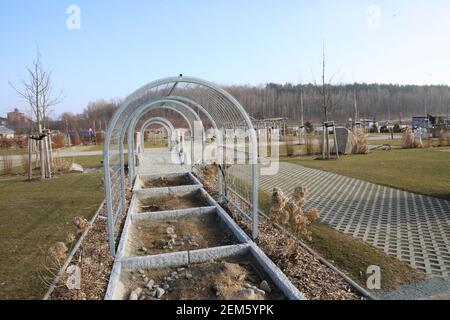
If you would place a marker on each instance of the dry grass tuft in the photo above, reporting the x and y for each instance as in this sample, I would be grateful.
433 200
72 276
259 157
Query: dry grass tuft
409 141
58 250
299 195
444 138
362 146
61 165
289 213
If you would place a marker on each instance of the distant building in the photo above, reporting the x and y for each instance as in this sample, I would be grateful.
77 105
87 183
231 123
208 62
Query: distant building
369 124
420 122
17 117
3 121
6 133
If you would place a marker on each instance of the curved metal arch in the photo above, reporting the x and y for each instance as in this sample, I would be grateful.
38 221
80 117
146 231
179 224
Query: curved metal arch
220 99
163 122
131 155
142 110
170 131
131 124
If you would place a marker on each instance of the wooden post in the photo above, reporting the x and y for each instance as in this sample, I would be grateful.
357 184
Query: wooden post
51 151
335 142
49 156
30 167
323 141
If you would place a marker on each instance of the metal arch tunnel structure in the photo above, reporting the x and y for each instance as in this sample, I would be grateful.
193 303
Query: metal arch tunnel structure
201 104
166 124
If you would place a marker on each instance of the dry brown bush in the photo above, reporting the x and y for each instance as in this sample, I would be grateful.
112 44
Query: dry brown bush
409 142
277 212
313 215
81 223
408 139
99 137
75 139
58 141
60 165
444 138
362 146
58 250
299 195
6 143
21 142
289 214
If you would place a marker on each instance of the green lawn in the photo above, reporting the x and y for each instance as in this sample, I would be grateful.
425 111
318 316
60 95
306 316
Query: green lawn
424 171
33 216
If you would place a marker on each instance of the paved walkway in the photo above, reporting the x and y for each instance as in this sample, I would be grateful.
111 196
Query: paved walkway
160 161
414 228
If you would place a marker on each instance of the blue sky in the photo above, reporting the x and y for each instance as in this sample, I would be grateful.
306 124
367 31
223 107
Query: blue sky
124 44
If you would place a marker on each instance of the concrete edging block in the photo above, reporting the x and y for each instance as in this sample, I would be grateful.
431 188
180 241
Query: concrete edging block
172 214
173 259
277 276
208 254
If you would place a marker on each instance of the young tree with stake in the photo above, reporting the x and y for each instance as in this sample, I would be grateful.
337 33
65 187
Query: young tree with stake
37 92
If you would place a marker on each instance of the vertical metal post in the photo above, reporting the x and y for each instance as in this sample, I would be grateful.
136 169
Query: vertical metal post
30 167
255 186
192 145
323 141
130 154
336 142
108 196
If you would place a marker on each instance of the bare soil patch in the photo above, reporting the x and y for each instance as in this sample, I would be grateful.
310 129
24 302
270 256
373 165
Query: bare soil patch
231 279
164 182
172 202
180 234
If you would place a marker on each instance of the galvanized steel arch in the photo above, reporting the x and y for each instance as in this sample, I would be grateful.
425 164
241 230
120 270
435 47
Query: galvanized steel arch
161 121
219 106
169 104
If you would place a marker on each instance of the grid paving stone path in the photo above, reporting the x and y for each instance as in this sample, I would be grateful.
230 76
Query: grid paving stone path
412 227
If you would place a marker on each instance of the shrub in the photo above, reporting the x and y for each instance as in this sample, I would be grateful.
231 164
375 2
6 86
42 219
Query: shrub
289 213
6 143
99 137
409 141
75 139
21 142
58 141
60 165
444 138
299 195
362 146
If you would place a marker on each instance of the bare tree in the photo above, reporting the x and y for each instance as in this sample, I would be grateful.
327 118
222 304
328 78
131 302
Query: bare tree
325 90
37 92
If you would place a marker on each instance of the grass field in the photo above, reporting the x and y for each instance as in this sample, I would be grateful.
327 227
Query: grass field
33 216
424 171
